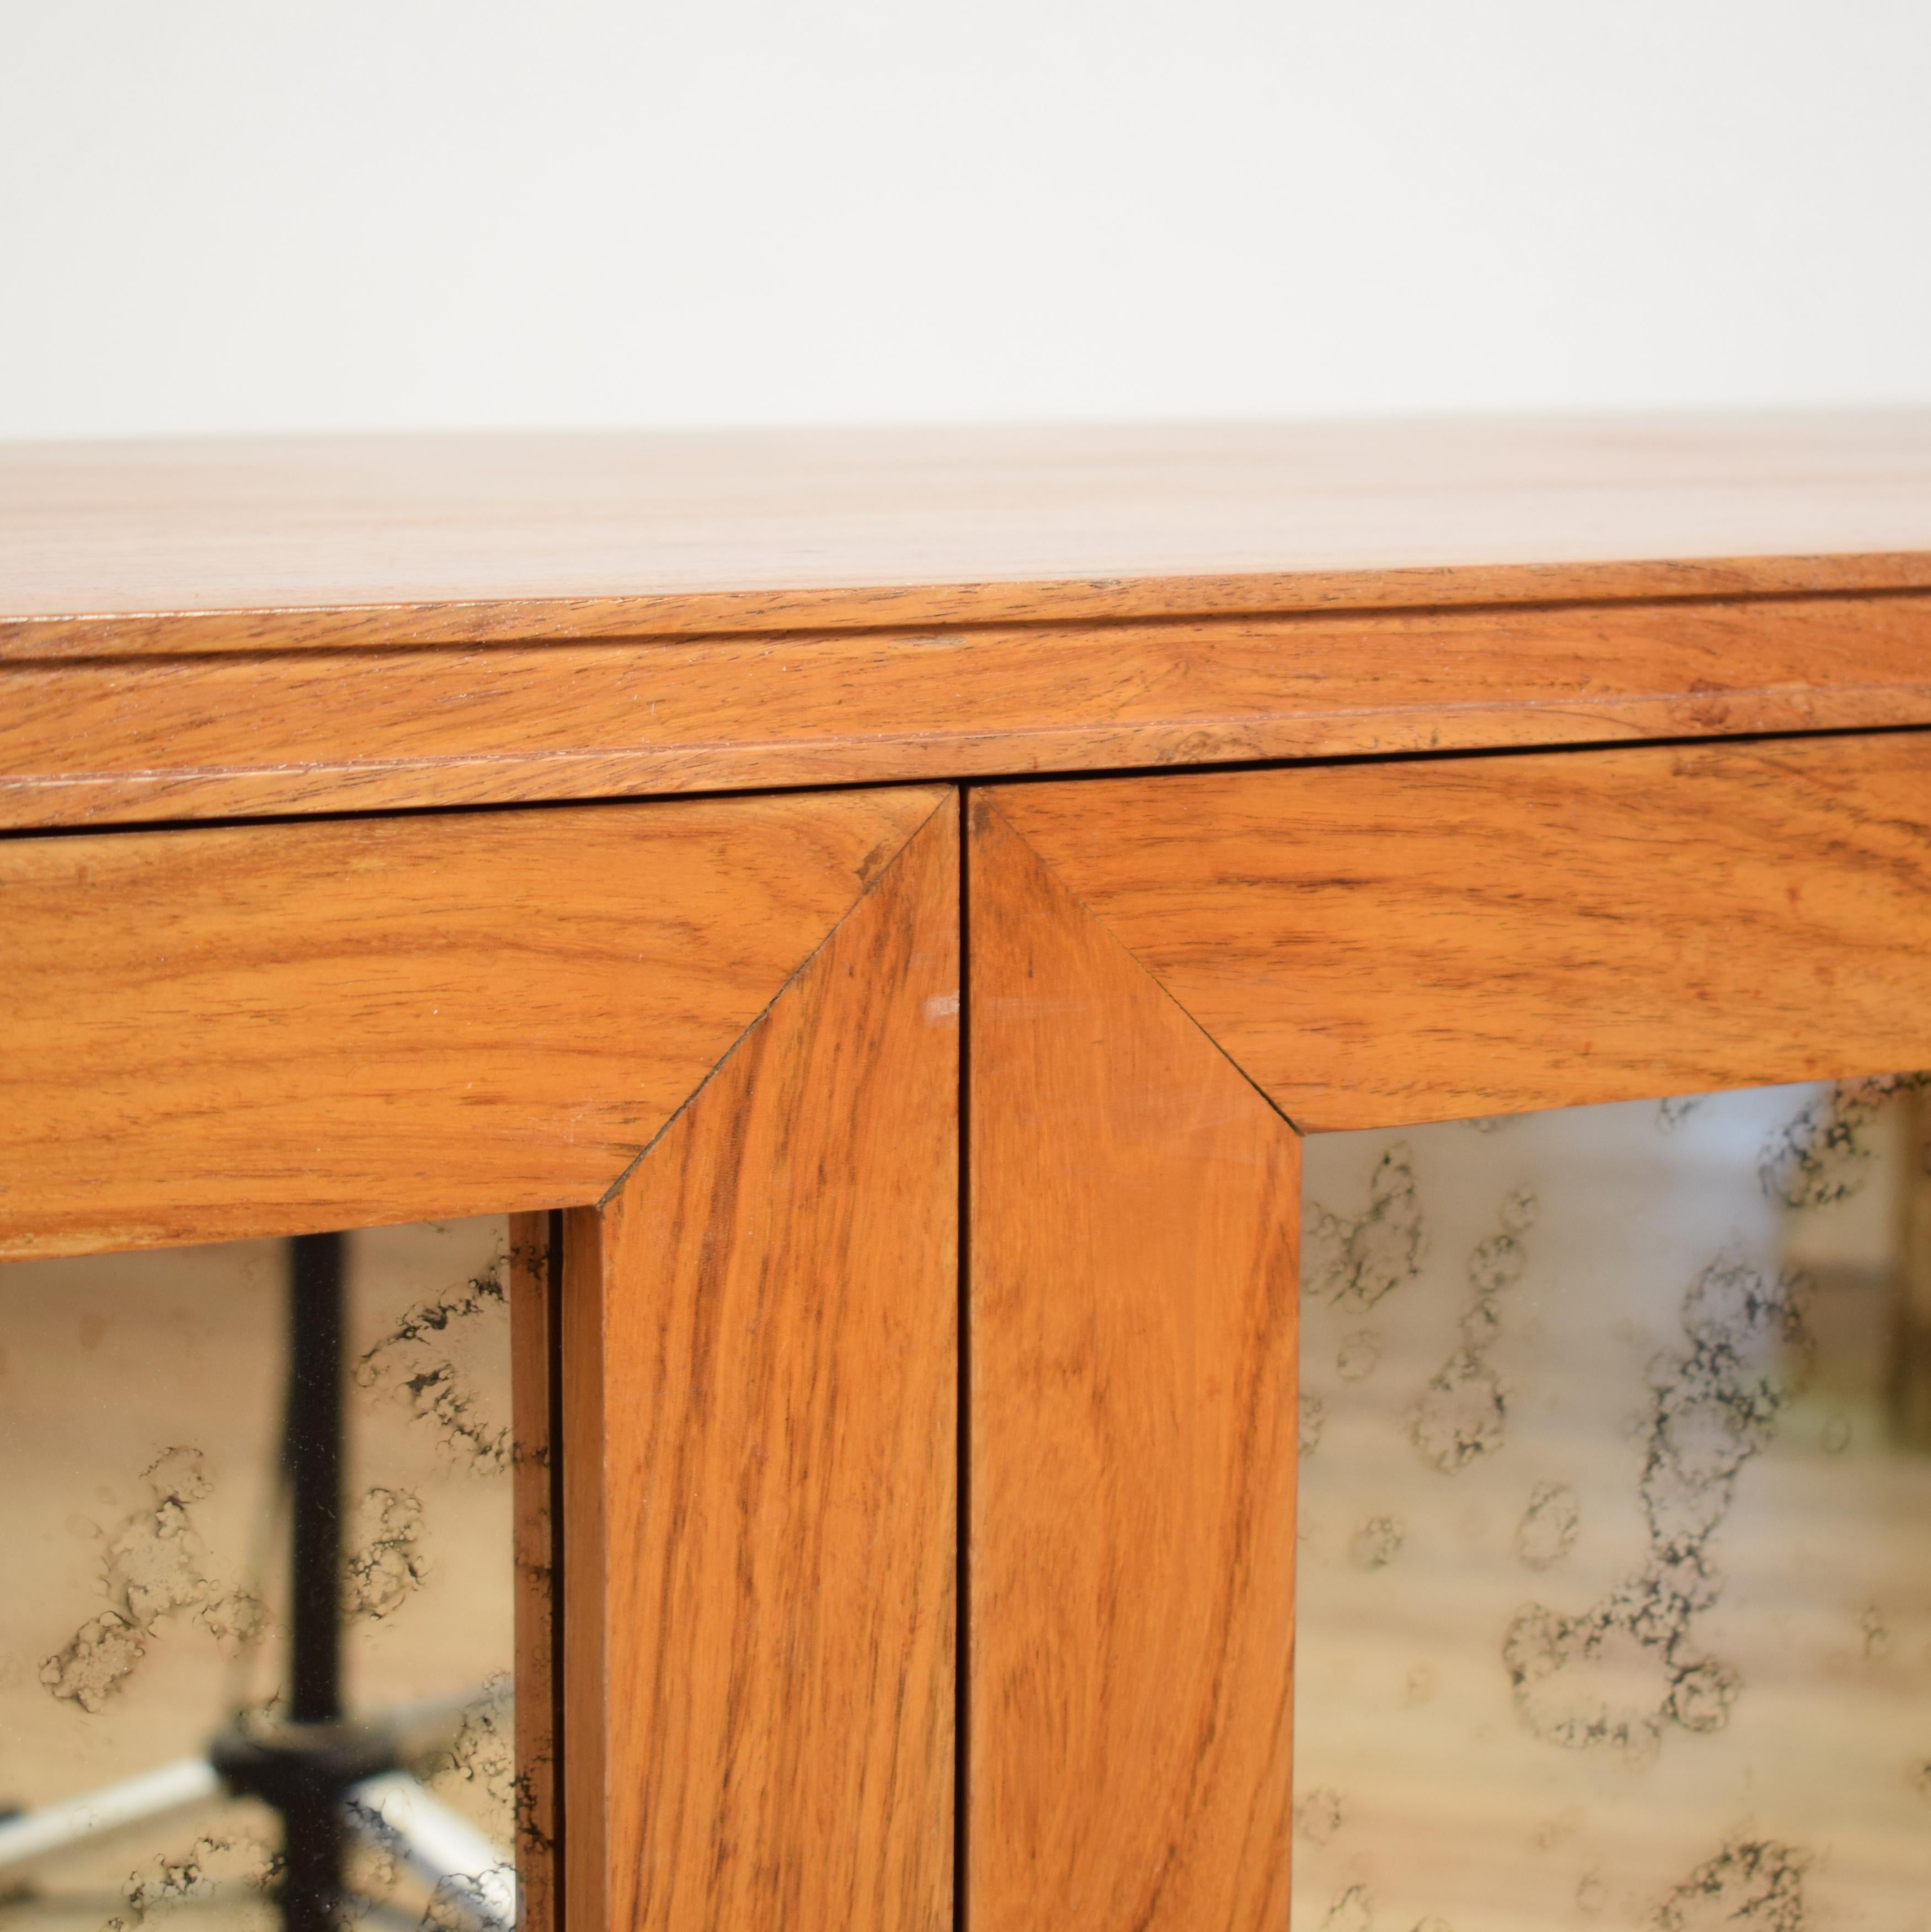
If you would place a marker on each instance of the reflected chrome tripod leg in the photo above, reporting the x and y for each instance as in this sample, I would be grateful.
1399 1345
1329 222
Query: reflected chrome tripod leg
473 1883
155 1794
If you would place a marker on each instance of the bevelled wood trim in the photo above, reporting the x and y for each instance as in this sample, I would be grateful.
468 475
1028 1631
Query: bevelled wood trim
1386 945
292 732
266 1030
1136 1206
759 1442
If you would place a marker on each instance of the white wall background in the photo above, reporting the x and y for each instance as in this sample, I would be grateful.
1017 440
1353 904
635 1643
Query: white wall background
265 214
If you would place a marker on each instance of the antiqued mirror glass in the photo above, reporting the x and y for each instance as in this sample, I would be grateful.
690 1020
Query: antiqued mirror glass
257 1633
1614 1544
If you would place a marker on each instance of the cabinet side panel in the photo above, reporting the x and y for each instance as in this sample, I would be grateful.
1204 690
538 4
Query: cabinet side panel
774 1594
1135 1217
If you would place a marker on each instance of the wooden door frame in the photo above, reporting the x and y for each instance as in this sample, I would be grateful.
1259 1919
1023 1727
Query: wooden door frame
277 1027
611 1023
1172 979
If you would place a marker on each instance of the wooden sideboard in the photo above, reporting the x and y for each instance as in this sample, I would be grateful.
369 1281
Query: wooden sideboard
882 909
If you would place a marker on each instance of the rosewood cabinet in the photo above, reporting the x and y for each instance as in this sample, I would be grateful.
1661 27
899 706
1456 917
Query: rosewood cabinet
884 914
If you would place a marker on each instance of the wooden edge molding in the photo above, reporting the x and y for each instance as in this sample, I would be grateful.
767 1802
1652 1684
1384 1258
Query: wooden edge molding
249 1030
1134 1249
1381 945
129 737
536 1267
1089 599
759 1441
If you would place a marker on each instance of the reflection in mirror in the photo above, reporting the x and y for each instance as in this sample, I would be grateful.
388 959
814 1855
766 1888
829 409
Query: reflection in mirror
256 1639
1614 1548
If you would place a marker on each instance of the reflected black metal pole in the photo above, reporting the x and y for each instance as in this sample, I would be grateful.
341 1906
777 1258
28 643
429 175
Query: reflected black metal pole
332 1780
314 1830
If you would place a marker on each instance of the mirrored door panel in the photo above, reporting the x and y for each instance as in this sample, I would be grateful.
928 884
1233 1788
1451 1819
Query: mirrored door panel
1614 1544
257 1633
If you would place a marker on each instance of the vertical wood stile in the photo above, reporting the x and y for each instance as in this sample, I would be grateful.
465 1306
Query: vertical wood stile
760 1454
1134 1221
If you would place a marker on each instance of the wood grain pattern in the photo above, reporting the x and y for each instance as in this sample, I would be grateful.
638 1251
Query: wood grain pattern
262 1029
760 1346
148 737
344 541
1136 1206
534 1251
1384 946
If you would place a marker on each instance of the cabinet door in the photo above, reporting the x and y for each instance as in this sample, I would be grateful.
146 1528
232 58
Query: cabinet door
705 1053
1176 981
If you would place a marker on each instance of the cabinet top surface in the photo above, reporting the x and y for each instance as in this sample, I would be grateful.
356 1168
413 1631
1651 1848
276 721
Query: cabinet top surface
256 543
